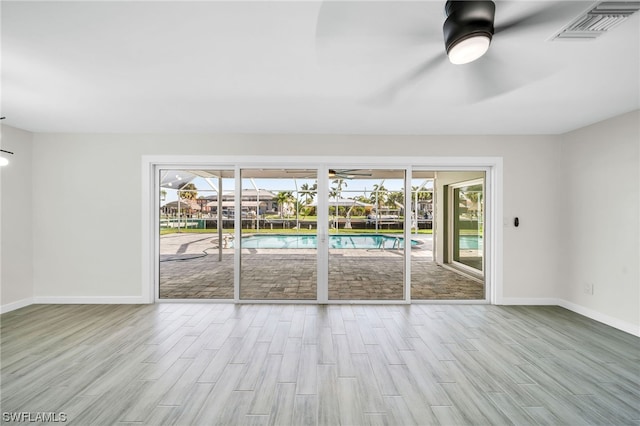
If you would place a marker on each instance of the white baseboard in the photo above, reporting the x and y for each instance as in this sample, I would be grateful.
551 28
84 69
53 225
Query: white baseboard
15 305
82 300
587 312
578 309
625 326
90 300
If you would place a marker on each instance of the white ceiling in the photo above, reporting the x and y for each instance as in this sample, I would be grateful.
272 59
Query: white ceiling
303 67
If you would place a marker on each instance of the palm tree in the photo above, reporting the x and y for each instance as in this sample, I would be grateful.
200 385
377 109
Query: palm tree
379 195
188 192
336 191
283 198
361 211
421 196
308 193
394 198
474 199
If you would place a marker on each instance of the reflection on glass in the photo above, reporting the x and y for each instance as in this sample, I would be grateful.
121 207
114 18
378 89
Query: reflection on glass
468 226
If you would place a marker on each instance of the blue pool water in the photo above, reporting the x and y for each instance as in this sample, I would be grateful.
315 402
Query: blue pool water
335 241
470 242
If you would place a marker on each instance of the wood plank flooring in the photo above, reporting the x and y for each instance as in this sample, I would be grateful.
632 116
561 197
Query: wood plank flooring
182 364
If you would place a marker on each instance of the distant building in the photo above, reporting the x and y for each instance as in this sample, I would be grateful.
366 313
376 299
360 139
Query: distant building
261 202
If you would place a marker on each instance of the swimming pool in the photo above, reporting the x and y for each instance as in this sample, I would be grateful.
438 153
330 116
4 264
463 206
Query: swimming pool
470 242
355 241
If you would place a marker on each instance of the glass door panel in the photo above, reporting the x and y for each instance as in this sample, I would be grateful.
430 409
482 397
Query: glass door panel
424 269
366 240
468 226
196 258
448 265
278 244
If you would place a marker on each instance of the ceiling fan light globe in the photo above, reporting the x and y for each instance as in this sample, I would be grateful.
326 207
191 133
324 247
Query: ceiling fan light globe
3 161
469 49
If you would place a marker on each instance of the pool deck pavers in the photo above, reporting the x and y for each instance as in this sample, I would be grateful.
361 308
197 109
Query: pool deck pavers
190 269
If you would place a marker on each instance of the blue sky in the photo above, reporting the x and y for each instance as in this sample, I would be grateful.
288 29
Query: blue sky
354 187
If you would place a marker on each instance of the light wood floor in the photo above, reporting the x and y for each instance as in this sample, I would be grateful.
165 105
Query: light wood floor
327 365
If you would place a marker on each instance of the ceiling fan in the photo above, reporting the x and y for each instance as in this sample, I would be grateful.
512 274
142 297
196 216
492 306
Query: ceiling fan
468 29
333 173
347 173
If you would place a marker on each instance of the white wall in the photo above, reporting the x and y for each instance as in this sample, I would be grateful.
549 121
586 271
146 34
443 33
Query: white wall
576 196
90 237
16 206
600 221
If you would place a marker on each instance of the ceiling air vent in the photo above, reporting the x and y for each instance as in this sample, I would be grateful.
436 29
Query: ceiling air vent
599 20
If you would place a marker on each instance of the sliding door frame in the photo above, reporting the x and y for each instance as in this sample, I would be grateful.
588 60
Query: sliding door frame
353 165
450 225
151 164
451 234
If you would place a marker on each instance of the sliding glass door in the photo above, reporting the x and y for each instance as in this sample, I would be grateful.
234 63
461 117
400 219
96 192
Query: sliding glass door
195 234
321 233
467 225
366 234
448 209
278 244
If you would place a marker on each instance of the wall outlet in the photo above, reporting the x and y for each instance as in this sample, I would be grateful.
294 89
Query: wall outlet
588 288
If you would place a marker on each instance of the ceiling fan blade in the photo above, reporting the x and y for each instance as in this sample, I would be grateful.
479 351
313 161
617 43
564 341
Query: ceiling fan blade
389 93
389 20
359 34
490 77
347 173
301 174
350 171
